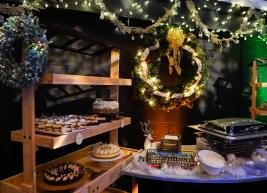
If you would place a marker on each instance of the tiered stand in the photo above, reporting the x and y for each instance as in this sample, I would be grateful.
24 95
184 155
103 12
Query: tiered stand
99 176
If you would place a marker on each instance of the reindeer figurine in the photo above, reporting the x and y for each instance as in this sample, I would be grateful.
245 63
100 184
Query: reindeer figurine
147 133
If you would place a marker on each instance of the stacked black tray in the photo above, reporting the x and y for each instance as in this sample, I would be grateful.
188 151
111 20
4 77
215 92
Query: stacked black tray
234 135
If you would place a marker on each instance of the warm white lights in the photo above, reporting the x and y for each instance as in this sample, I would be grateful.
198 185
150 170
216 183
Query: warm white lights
251 21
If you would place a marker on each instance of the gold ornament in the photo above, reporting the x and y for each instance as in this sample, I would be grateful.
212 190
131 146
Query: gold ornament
175 38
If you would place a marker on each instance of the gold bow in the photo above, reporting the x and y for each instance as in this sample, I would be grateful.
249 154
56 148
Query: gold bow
175 37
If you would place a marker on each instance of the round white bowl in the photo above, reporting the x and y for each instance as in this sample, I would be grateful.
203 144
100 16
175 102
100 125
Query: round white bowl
211 162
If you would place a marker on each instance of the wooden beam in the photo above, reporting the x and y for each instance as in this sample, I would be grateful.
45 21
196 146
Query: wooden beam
68 79
69 42
101 51
260 112
254 90
70 49
28 139
73 94
62 90
86 47
114 90
261 84
81 35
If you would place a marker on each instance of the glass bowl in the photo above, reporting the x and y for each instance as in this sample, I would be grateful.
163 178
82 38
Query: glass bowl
254 168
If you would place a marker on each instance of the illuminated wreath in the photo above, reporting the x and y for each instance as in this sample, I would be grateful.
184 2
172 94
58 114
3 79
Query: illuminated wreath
175 49
23 30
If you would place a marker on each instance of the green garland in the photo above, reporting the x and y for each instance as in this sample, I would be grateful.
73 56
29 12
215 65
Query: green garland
150 59
22 29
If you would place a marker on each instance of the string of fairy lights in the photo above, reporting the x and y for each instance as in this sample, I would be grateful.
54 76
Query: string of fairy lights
252 21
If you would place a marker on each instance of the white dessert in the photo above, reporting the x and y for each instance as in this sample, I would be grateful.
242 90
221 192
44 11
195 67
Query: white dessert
105 107
105 151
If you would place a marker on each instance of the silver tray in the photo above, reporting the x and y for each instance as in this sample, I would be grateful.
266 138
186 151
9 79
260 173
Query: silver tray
249 136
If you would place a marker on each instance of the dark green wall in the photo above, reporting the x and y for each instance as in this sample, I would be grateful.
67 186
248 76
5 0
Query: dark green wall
253 48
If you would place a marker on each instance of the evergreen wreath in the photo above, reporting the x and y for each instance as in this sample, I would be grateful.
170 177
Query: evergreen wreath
171 69
22 30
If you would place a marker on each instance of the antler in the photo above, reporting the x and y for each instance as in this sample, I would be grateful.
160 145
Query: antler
145 127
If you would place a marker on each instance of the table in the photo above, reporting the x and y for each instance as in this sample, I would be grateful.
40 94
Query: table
135 173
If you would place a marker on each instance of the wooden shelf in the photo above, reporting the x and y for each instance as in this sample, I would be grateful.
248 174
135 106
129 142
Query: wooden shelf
261 84
259 111
54 142
106 174
83 80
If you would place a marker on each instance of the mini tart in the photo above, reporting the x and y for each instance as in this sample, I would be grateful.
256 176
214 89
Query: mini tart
105 151
63 174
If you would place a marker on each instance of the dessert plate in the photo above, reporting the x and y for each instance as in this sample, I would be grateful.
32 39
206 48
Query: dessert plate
41 184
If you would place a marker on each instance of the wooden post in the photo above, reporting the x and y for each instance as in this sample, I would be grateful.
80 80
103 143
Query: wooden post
28 126
114 90
254 90
134 185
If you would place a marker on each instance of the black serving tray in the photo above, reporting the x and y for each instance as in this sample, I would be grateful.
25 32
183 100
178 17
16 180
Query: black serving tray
235 126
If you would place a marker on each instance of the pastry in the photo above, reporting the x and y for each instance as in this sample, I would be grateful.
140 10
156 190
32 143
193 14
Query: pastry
62 174
67 124
105 107
105 151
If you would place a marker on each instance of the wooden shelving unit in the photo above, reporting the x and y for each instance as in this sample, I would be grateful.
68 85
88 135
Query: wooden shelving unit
27 182
254 110
98 178
54 142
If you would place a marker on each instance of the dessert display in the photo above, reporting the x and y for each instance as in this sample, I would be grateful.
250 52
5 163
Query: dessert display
105 151
66 124
105 107
63 174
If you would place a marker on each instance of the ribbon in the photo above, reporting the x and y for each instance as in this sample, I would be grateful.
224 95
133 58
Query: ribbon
175 38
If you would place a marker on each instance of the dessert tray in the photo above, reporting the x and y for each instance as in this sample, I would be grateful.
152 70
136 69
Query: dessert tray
65 133
63 176
62 125
41 184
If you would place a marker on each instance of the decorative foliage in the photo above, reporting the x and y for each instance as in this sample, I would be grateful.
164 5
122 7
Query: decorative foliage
184 54
106 14
252 20
244 28
6 9
22 30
